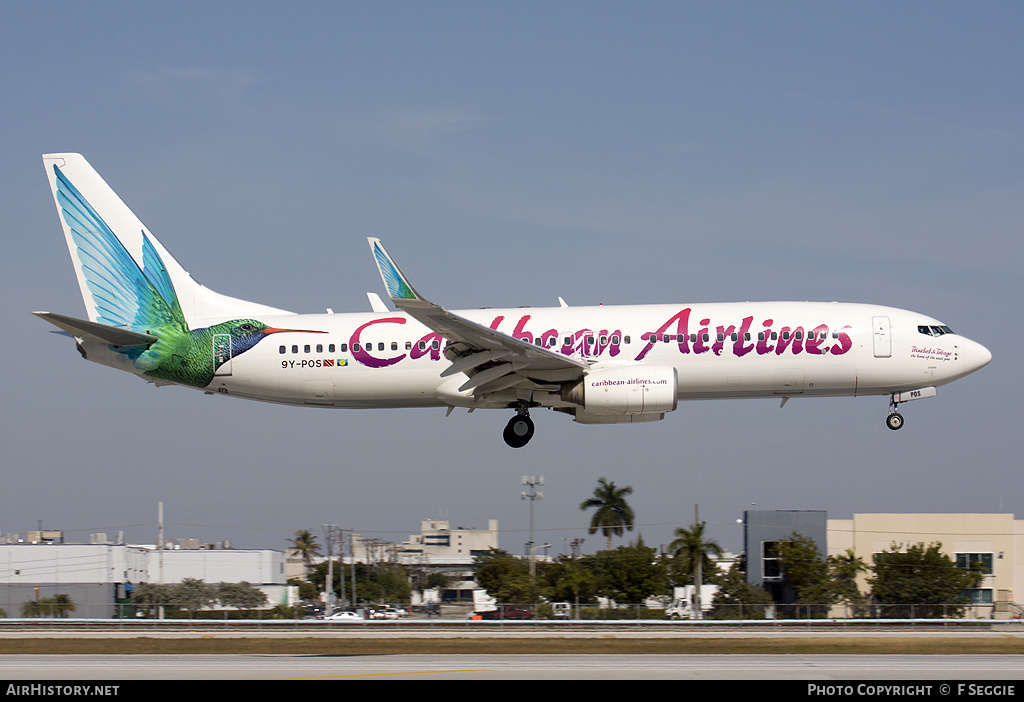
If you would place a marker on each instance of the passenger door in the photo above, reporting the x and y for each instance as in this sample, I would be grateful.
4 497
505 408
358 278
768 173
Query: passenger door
881 333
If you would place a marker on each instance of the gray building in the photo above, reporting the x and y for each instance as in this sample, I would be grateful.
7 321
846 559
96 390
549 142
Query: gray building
762 532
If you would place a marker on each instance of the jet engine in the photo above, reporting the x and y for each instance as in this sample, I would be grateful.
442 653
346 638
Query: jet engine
625 390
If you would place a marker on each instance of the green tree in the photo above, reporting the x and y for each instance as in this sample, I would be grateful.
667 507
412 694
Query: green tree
383 582
150 596
306 546
438 581
482 558
192 594
57 606
571 580
690 545
378 582
843 571
612 513
628 574
61 604
804 569
919 581
737 599
507 578
240 595
307 590
806 575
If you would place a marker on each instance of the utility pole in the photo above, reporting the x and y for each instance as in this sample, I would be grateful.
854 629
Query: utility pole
160 549
697 575
352 571
532 481
341 564
329 588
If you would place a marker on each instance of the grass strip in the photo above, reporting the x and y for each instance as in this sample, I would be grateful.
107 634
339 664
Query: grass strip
546 646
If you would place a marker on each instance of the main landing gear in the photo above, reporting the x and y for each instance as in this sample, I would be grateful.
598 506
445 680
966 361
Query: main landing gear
895 420
519 429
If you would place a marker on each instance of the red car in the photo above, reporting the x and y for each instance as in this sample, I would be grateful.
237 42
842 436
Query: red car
505 612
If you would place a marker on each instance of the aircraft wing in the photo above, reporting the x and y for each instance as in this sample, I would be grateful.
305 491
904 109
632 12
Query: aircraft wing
493 360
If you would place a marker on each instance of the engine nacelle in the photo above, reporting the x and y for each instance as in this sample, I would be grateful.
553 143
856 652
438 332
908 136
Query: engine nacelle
626 389
584 417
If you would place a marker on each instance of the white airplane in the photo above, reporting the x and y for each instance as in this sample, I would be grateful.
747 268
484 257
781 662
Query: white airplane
602 365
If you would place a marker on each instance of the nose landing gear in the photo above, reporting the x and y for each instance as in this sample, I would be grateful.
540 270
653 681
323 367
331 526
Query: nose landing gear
519 429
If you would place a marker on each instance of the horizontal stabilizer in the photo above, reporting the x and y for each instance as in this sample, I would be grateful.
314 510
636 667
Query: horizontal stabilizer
94 331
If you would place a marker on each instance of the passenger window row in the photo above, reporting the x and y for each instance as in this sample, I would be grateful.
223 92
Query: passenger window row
786 336
435 345
569 341
343 348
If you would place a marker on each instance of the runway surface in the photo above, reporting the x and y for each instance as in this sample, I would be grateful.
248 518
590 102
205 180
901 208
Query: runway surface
510 667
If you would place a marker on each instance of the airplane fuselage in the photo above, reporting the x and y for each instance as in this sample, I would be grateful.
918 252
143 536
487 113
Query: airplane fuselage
719 350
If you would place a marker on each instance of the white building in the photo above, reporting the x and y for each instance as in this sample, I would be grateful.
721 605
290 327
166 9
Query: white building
95 576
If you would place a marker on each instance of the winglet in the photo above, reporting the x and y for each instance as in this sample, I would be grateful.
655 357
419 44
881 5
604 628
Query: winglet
395 282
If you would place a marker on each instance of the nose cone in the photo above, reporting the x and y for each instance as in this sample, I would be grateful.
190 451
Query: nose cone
975 356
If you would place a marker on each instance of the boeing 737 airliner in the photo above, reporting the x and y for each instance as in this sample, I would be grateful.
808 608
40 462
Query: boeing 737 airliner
602 365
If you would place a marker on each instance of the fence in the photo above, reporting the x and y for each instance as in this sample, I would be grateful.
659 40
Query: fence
125 610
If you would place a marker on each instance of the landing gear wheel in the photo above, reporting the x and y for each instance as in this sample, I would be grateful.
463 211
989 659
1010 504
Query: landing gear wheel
894 421
518 431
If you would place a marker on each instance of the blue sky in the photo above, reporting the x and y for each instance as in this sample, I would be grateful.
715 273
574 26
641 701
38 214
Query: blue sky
508 154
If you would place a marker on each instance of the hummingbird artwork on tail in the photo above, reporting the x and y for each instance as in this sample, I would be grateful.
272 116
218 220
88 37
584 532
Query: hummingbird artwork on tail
141 301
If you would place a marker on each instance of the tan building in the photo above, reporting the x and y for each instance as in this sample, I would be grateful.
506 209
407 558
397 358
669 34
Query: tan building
994 540
436 544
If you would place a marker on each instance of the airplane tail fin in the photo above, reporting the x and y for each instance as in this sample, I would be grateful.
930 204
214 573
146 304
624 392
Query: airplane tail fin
126 277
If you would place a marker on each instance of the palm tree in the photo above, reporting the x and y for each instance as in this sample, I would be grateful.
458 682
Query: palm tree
305 545
692 544
843 571
613 513
62 604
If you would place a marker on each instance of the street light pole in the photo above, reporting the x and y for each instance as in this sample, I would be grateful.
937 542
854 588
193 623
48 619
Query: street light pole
532 481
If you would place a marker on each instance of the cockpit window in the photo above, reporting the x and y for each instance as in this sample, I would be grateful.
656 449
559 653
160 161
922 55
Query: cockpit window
931 330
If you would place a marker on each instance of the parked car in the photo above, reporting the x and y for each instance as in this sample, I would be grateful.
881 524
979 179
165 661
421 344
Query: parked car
344 616
504 612
384 613
313 612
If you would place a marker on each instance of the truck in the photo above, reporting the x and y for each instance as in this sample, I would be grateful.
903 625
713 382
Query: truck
683 606
561 610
